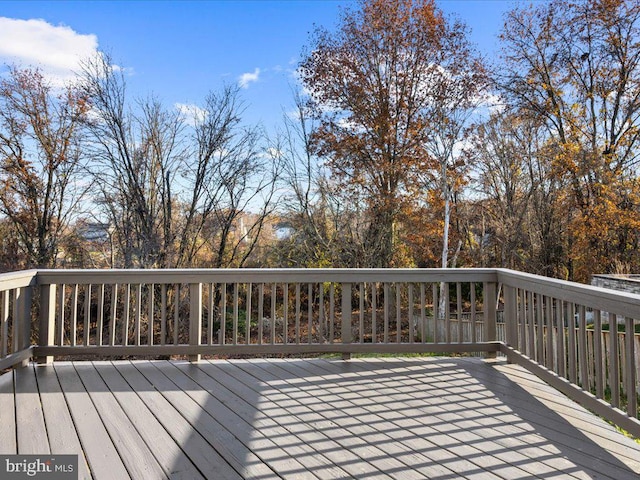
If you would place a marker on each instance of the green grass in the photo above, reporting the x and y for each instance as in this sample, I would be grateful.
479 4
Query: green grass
621 328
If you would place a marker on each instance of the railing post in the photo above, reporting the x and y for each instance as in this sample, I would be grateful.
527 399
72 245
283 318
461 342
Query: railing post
346 318
510 316
46 330
195 317
490 315
22 326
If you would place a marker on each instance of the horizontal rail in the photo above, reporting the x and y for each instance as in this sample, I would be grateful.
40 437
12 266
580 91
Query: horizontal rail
16 290
579 338
276 275
17 358
13 280
620 303
290 349
586 399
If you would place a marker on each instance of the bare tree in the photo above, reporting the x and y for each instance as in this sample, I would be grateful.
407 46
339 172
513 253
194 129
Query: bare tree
40 159
325 223
522 200
175 184
135 163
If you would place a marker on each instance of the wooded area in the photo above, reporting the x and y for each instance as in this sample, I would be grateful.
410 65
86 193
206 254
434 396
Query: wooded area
409 148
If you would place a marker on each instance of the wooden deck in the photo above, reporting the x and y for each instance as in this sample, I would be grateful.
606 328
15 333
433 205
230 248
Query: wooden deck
405 418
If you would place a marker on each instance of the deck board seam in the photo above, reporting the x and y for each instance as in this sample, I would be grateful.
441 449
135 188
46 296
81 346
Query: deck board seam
212 393
394 422
306 449
328 438
206 409
177 423
500 427
219 447
407 450
82 461
82 435
100 416
100 369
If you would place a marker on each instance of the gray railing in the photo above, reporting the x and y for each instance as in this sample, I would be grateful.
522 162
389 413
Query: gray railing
16 290
194 312
554 328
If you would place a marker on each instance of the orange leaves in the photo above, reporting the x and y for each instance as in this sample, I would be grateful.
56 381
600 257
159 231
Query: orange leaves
606 232
378 85
574 65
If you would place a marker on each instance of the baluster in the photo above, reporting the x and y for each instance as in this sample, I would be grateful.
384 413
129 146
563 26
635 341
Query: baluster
459 311
474 316
151 300
614 361
195 318
248 314
309 313
630 372
374 312
598 354
361 316
113 315
100 314
163 314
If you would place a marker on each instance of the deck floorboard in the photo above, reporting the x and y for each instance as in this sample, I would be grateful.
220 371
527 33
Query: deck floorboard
99 450
166 449
7 415
32 434
60 427
367 418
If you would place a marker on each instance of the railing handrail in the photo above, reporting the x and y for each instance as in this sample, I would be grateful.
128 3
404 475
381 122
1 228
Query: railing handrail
619 303
265 275
615 302
604 299
19 279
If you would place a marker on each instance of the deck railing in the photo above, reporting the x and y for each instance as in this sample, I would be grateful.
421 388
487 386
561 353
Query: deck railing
554 328
194 312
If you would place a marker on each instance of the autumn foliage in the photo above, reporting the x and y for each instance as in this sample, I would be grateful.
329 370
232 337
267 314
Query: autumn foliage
407 149
575 68
40 160
376 85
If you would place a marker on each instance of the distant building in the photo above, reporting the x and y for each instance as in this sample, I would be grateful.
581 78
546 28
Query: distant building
629 283
624 282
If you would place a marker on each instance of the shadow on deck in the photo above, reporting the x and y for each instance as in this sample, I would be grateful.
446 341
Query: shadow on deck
436 418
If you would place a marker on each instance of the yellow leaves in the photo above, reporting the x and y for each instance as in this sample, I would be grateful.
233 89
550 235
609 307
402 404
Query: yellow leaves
566 161
605 232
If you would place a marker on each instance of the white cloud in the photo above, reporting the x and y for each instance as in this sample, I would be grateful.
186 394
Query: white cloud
56 50
191 113
128 71
274 153
246 78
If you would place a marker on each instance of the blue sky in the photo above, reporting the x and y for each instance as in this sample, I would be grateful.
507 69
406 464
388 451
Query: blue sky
180 50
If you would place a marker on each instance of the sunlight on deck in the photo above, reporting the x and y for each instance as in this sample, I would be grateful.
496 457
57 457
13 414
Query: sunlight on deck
437 418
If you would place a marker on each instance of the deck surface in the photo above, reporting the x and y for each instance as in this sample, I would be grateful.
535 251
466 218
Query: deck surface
404 418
